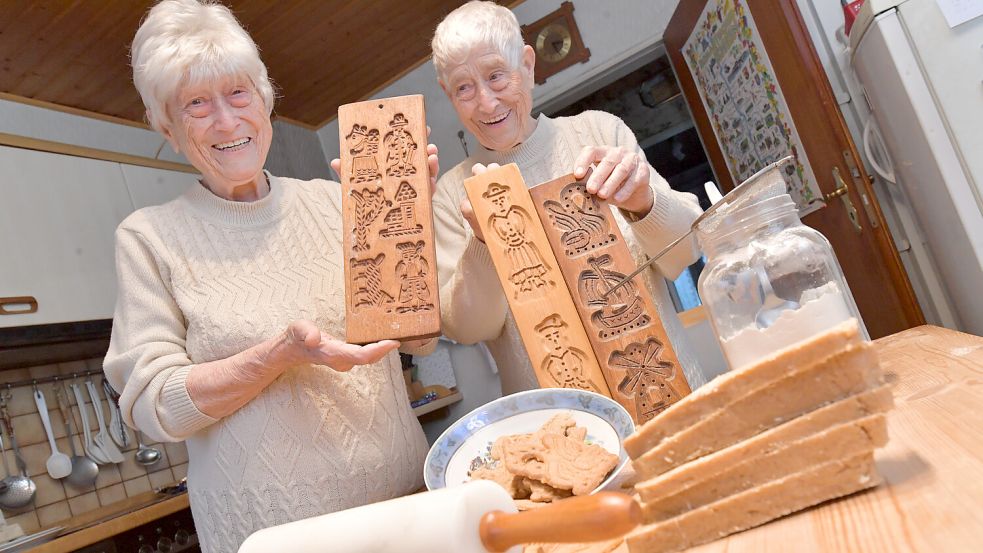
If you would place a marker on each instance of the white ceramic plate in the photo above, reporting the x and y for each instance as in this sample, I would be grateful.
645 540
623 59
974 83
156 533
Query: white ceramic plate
471 437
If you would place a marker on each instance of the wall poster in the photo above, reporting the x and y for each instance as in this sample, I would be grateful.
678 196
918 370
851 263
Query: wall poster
743 100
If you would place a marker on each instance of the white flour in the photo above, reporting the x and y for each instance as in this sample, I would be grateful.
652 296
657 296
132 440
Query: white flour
821 309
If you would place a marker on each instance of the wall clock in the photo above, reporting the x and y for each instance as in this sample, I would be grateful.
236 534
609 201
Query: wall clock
556 40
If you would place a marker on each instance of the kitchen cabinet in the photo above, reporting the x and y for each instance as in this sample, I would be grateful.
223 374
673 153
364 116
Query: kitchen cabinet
58 216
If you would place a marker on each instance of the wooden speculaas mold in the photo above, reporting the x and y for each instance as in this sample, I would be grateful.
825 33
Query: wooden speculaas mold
544 312
624 328
390 263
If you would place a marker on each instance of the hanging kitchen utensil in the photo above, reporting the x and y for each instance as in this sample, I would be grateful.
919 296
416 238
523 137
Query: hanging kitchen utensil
58 464
146 456
84 470
102 439
117 428
20 488
93 451
475 517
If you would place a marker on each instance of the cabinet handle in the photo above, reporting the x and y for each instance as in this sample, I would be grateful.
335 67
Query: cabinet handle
18 305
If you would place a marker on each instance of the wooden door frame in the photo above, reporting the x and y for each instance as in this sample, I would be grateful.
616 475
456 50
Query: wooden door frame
797 39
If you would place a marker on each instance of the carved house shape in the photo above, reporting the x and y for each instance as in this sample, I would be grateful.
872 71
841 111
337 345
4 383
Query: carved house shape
401 220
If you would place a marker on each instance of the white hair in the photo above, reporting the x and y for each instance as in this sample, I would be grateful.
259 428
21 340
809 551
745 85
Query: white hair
473 24
188 42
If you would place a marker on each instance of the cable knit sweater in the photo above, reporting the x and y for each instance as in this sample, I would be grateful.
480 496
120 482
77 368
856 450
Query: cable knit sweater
202 278
473 305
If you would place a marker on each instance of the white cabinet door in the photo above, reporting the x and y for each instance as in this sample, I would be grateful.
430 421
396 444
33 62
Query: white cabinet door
58 214
150 186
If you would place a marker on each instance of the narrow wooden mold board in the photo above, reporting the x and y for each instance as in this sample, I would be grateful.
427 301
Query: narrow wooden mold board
624 328
551 330
390 263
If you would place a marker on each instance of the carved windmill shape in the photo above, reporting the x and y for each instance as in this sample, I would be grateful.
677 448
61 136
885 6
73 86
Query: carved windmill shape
647 378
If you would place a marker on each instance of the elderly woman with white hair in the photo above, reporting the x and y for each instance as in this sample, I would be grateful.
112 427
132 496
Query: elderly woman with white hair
230 298
487 73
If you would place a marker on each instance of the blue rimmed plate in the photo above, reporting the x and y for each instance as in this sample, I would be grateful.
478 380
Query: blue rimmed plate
468 441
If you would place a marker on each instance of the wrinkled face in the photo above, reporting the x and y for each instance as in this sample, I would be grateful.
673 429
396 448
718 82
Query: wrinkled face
493 100
223 128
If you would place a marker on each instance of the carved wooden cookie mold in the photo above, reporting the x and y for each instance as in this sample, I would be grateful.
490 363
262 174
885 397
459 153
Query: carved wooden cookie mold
544 311
623 326
390 268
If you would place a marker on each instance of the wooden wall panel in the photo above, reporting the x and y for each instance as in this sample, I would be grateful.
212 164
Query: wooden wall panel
390 262
624 329
544 312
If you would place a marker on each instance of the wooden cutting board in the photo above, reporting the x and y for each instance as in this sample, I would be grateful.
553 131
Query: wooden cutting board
544 312
624 328
390 262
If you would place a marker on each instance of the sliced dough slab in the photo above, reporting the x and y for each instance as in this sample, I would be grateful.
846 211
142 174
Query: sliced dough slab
757 506
839 442
712 467
847 373
731 387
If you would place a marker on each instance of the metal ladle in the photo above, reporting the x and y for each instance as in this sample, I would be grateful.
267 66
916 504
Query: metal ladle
146 456
84 470
20 488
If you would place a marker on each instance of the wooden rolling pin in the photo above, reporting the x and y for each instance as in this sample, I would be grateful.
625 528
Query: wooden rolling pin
476 517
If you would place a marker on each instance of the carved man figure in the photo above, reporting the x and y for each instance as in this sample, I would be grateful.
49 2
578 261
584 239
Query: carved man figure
563 363
399 148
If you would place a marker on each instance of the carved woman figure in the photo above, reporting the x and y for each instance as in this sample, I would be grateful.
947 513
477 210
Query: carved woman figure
509 224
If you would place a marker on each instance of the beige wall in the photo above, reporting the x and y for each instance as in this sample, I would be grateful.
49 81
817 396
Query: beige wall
57 500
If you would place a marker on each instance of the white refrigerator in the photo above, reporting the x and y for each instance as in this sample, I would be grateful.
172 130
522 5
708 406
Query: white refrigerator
923 84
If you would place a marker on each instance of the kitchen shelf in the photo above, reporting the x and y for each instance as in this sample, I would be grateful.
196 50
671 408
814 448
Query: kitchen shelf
437 404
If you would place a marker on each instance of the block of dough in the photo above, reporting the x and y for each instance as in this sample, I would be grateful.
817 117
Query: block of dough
847 373
757 506
839 442
878 400
734 385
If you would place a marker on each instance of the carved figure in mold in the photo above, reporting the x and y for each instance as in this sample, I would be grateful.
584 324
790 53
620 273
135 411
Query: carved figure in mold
367 281
509 223
563 363
401 220
647 378
622 311
400 148
578 214
368 206
412 269
363 145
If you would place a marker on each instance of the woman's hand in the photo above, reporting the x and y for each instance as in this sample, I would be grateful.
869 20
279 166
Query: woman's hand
303 342
620 176
467 210
433 164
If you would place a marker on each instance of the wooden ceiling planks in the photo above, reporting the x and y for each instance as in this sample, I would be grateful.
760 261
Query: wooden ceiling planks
320 54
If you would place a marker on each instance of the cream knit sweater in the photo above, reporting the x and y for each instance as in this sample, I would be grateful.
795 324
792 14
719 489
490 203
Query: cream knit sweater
473 305
202 278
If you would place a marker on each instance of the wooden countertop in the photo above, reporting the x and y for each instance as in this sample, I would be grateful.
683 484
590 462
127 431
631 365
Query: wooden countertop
126 514
932 498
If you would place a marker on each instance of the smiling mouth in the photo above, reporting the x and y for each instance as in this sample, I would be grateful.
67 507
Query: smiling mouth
237 144
498 119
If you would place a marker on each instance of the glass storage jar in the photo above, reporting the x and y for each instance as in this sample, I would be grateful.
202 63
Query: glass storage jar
769 280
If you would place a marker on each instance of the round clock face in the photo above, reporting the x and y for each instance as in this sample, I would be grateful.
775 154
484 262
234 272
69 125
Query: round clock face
553 42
